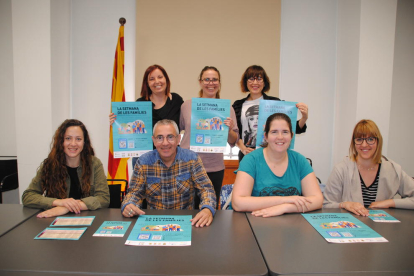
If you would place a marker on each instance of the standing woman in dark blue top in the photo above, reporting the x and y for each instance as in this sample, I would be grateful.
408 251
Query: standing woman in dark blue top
156 88
257 83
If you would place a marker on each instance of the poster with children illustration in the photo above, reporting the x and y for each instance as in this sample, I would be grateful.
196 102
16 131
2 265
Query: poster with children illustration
342 228
267 108
132 129
208 131
161 230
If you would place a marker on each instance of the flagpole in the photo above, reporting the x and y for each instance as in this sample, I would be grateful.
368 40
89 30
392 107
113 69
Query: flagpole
118 167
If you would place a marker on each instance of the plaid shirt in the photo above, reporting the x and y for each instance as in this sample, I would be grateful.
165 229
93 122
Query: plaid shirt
173 187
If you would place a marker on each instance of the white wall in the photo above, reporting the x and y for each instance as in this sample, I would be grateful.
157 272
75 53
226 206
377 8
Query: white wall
95 30
60 61
307 73
376 57
401 132
347 62
32 85
365 56
8 123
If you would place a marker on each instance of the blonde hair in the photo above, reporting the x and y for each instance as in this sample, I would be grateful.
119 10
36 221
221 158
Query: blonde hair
366 128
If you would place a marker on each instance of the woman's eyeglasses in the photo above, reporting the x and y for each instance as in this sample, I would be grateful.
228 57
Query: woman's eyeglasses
208 80
258 79
369 140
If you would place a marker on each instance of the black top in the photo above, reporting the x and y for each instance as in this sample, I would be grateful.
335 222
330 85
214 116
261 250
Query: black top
171 109
75 190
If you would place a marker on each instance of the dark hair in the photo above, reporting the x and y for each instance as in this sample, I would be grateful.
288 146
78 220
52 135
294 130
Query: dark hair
145 89
273 117
54 171
254 71
366 128
206 68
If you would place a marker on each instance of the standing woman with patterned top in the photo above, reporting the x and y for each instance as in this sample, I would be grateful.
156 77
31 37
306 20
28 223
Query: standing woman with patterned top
210 85
366 179
257 83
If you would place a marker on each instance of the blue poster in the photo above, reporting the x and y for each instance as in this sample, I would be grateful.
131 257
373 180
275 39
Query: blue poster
208 131
159 230
112 229
381 216
132 130
267 108
342 228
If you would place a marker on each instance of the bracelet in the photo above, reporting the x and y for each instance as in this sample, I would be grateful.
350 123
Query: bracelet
340 205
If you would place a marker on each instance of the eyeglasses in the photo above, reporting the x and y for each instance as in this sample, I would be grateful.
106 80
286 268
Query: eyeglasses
170 138
369 140
208 80
258 79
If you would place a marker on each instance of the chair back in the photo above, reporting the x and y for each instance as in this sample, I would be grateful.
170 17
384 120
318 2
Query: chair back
225 197
8 175
115 192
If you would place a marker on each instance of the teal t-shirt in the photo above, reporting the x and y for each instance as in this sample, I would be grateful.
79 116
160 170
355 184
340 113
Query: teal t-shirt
266 183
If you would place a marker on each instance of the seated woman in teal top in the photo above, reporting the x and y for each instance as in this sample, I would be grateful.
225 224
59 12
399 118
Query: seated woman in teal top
274 180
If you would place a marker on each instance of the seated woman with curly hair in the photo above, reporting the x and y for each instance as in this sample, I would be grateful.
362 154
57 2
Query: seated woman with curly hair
71 178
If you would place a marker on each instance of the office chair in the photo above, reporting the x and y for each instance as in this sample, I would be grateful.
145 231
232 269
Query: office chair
8 183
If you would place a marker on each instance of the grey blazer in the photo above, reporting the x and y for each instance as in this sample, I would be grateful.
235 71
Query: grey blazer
344 185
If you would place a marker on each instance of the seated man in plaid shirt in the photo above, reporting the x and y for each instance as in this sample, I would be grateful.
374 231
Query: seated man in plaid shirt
168 177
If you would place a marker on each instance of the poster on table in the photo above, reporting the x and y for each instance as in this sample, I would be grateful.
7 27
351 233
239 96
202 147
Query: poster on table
73 221
61 234
208 131
112 229
269 107
382 216
342 228
159 230
132 129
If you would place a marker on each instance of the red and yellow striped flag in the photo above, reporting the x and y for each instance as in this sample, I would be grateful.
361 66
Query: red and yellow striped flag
118 167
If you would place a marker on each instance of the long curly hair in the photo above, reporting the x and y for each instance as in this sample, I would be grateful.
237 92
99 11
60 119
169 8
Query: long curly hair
54 171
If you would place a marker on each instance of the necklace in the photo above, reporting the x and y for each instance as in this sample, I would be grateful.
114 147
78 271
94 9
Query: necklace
367 169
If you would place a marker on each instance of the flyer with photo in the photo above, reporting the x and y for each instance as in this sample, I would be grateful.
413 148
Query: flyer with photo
132 129
73 221
269 107
61 234
382 216
112 229
208 131
159 230
342 228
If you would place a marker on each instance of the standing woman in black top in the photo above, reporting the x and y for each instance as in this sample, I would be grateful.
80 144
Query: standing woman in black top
257 83
156 88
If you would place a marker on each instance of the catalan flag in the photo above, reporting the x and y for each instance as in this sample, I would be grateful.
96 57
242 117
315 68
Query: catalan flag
118 167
